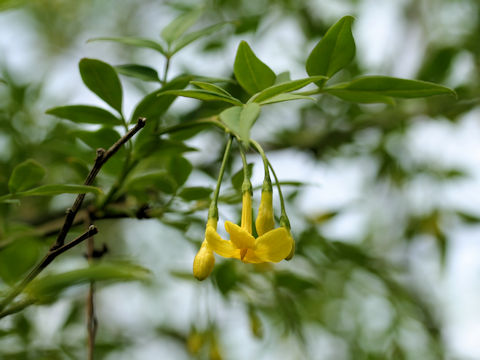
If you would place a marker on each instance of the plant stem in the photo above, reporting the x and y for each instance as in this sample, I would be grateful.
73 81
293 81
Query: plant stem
165 72
59 246
213 211
92 322
257 146
246 186
102 157
48 258
19 306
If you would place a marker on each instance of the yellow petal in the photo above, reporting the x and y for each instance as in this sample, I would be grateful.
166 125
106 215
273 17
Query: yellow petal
246 222
240 237
203 262
292 252
250 257
265 221
221 247
274 246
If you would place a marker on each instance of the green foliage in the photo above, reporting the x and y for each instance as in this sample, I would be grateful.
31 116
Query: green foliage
140 72
204 95
382 88
195 193
25 175
335 51
102 79
153 105
85 114
18 258
47 288
179 25
251 73
134 41
284 87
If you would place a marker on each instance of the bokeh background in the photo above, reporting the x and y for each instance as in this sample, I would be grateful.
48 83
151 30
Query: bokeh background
383 201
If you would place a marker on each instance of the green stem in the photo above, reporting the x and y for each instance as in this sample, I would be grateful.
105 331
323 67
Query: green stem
247 185
284 221
16 307
267 183
165 72
213 211
190 124
309 92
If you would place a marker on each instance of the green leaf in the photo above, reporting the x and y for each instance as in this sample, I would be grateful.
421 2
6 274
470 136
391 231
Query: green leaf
102 138
374 88
191 37
85 114
231 118
178 26
49 190
284 87
203 95
468 217
158 180
102 79
360 96
283 77
153 106
19 257
334 51
286 97
51 285
210 87
248 116
180 168
134 41
195 193
141 72
25 175
153 144
251 73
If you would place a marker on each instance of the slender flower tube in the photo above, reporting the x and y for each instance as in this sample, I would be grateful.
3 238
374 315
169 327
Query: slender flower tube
265 220
205 259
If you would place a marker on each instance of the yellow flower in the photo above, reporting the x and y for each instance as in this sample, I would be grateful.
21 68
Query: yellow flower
205 259
271 246
265 221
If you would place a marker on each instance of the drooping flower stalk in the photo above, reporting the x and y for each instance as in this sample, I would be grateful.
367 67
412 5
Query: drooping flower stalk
205 259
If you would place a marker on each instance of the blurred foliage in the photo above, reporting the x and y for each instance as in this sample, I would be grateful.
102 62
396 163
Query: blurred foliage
357 295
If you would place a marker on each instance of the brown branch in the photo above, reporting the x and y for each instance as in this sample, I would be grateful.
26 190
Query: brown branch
92 322
102 157
48 258
60 247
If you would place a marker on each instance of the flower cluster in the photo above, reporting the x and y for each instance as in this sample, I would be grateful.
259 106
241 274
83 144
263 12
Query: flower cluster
271 245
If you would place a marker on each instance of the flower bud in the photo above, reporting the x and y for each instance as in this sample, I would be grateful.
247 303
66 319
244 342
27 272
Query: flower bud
246 221
205 259
203 262
265 221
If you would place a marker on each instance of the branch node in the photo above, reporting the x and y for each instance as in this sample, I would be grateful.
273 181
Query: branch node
141 121
100 153
92 230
